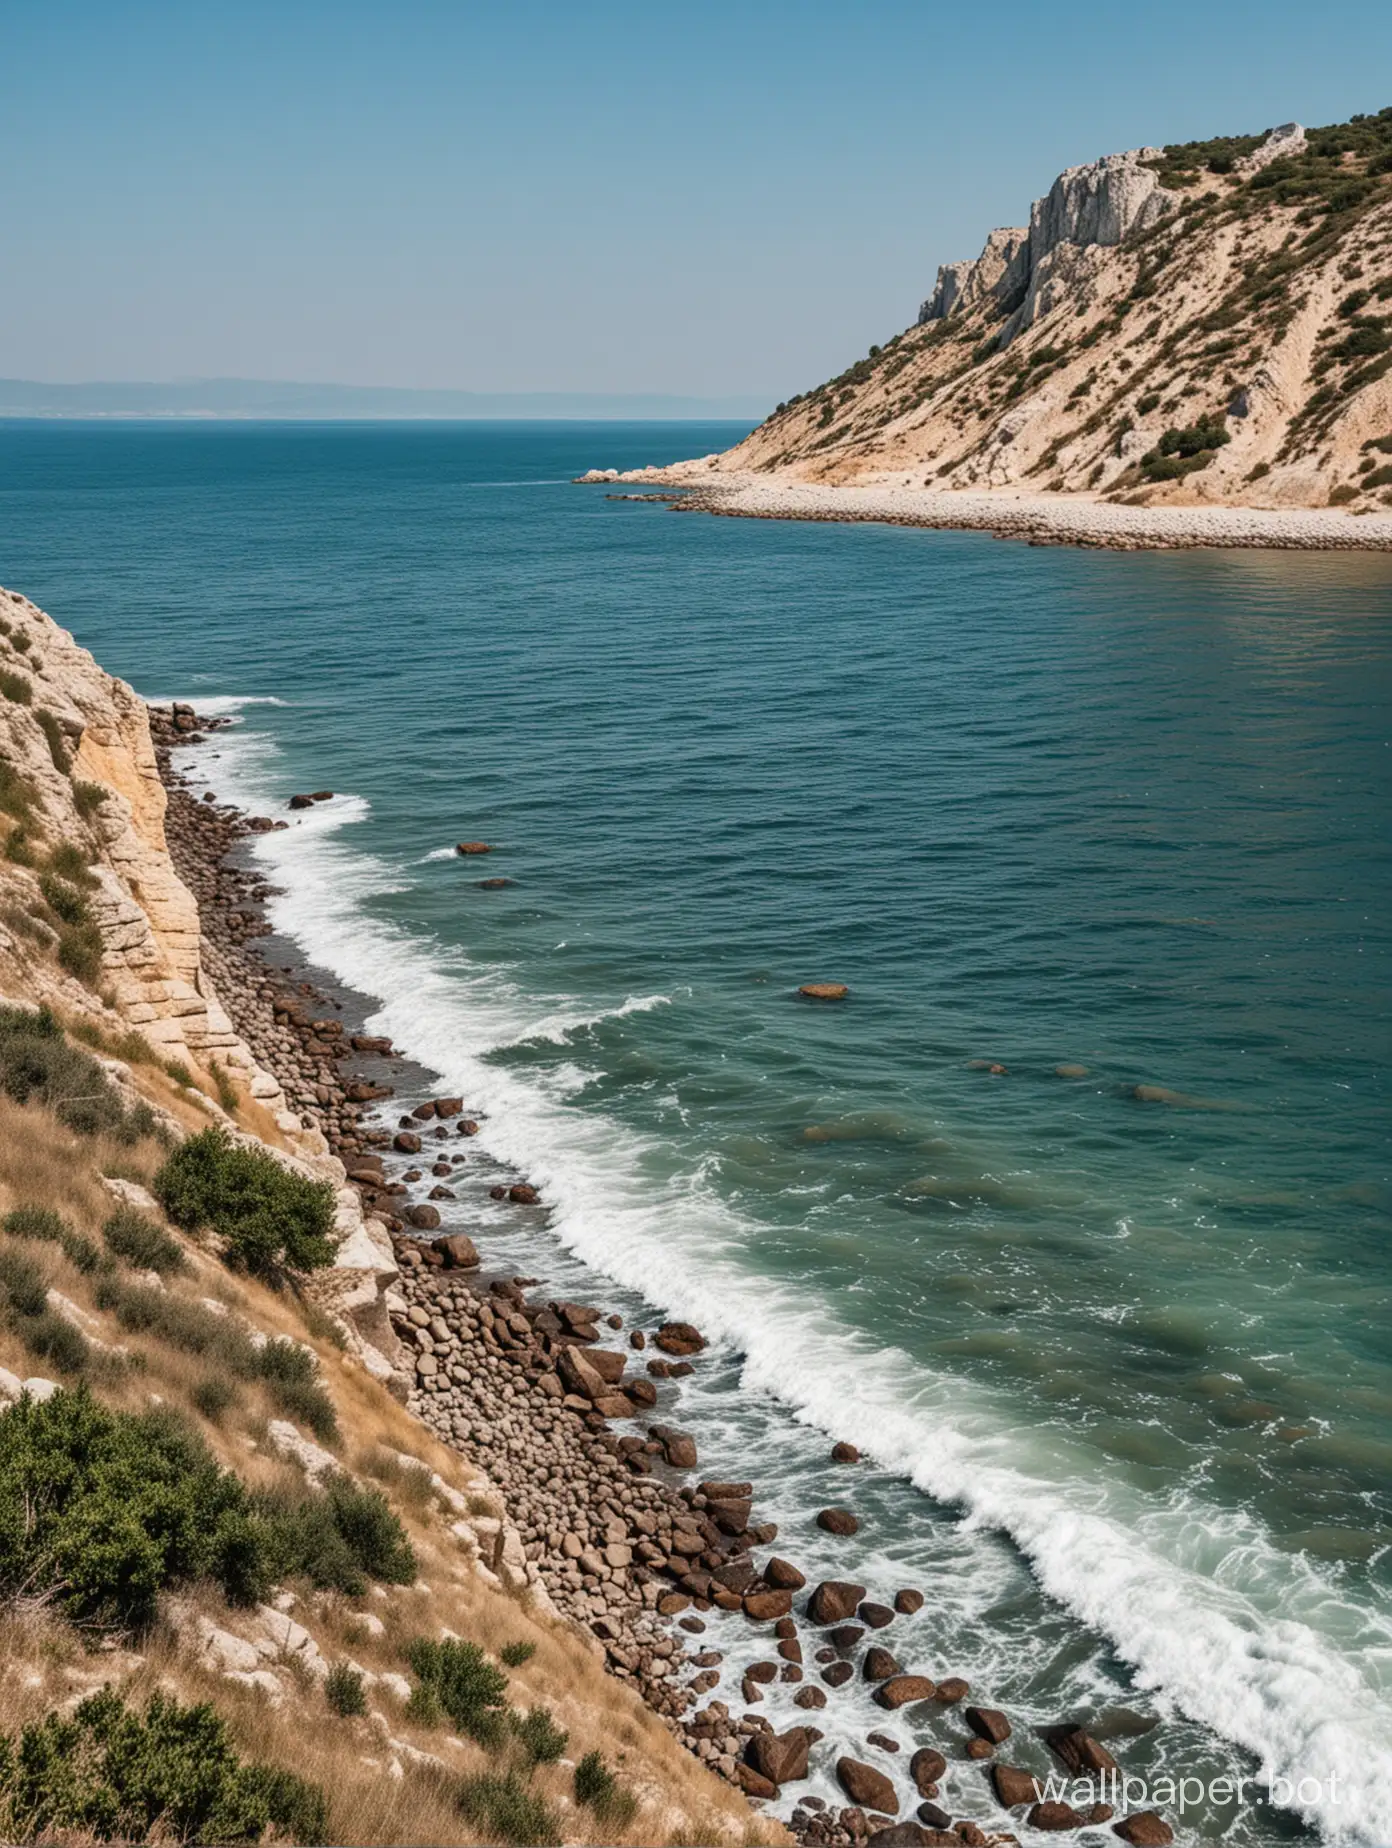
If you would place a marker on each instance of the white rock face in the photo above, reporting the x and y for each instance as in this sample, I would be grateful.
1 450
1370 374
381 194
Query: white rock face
1289 138
960 285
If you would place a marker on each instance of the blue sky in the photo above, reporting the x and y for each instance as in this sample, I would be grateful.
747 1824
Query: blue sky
524 196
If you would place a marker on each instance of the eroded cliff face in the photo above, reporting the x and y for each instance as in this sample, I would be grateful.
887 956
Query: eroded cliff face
1186 326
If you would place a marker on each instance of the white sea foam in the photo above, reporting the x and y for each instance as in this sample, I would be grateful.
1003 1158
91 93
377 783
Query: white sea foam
1257 1643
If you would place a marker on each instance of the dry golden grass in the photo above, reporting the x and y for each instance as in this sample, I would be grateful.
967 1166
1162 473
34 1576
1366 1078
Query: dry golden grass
45 1663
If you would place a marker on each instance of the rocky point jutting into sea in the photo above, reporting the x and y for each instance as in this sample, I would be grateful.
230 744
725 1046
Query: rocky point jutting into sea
1185 346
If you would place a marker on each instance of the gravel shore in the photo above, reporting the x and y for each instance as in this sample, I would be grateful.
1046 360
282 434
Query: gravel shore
1038 519
569 1412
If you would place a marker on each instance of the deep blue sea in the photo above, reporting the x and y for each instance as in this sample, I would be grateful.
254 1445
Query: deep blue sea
1123 1364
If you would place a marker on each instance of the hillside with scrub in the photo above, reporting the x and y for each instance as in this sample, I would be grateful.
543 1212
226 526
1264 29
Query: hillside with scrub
244 1594
1201 324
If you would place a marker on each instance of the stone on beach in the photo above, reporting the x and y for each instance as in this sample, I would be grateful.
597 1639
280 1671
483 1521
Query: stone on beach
679 1338
864 1785
903 1691
927 1767
834 1601
1014 1787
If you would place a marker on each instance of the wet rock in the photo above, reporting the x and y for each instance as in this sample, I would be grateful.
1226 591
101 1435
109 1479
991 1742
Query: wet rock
763 1672
423 1113
423 1218
838 1674
764 1606
952 1690
1014 1787
1144 1829
642 1394
834 1600
780 1757
467 848
882 1741
903 1691
1070 1071
927 1767
300 802
679 1338
875 1616
844 1453
866 1786
784 1576
678 1447
980 1749
878 1665
493 885
407 1141
838 1521
845 1636
448 1106
934 1816
823 991
521 1193
459 1251
1079 1751
809 1697
908 1602
1053 1815
988 1723
753 1783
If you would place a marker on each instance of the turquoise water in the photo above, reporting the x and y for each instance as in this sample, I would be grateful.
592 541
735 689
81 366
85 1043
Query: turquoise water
1037 807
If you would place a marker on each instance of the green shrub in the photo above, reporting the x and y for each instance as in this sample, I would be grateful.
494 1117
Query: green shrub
18 796
513 1655
338 1539
541 1739
24 1285
185 1325
503 1809
67 903
41 1222
465 1685
15 687
19 849
52 1337
213 1396
169 1774
57 743
88 798
1181 452
141 1243
343 1687
289 1371
598 1788
269 1216
38 1064
70 863
101 1510
80 951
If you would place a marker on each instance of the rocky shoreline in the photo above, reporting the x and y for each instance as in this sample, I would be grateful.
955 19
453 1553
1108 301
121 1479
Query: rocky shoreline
567 1411
1037 519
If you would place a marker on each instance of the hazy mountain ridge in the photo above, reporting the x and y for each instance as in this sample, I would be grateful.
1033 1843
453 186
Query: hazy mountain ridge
1207 323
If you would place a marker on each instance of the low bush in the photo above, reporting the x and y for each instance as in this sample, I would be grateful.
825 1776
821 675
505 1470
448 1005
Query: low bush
1181 452
38 1064
100 1510
343 1688
167 1774
70 863
139 1242
213 1396
541 1739
80 951
88 798
188 1326
513 1655
598 1788
18 796
24 1285
41 1222
338 1539
504 1809
290 1372
269 1216
51 1337
67 903
461 1682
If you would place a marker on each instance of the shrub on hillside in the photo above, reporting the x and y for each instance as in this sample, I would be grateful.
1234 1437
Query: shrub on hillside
503 1809
343 1689
541 1739
461 1682
167 1774
139 1242
269 1216
1181 452
38 1064
41 1222
598 1788
338 1538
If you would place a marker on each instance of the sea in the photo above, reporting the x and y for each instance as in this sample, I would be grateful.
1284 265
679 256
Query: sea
1074 1215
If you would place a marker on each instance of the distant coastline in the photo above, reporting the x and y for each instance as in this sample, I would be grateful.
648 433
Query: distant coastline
247 399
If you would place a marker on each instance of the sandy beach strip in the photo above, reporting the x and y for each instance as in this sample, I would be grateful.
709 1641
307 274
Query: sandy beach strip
1039 519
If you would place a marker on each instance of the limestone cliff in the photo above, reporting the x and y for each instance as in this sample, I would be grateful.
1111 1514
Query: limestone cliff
1200 324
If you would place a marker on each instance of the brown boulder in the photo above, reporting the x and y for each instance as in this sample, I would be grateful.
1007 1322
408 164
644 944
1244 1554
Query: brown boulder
988 1723
573 1365
679 1338
903 1691
523 1194
423 1218
979 1749
844 1453
448 1106
1078 1751
789 1647
1144 1830
424 1112
838 1521
834 1600
678 1447
407 1141
824 991
300 802
952 1690
459 1251
642 1393
725 1491
472 847
780 1757
753 1783
784 1576
608 1363
762 1672
934 1815
878 1665
908 1602
614 1405
927 1767
764 1606
1054 1816
731 1517
876 1616
838 1674
809 1697
1014 1787
845 1635
864 1785
467 1128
